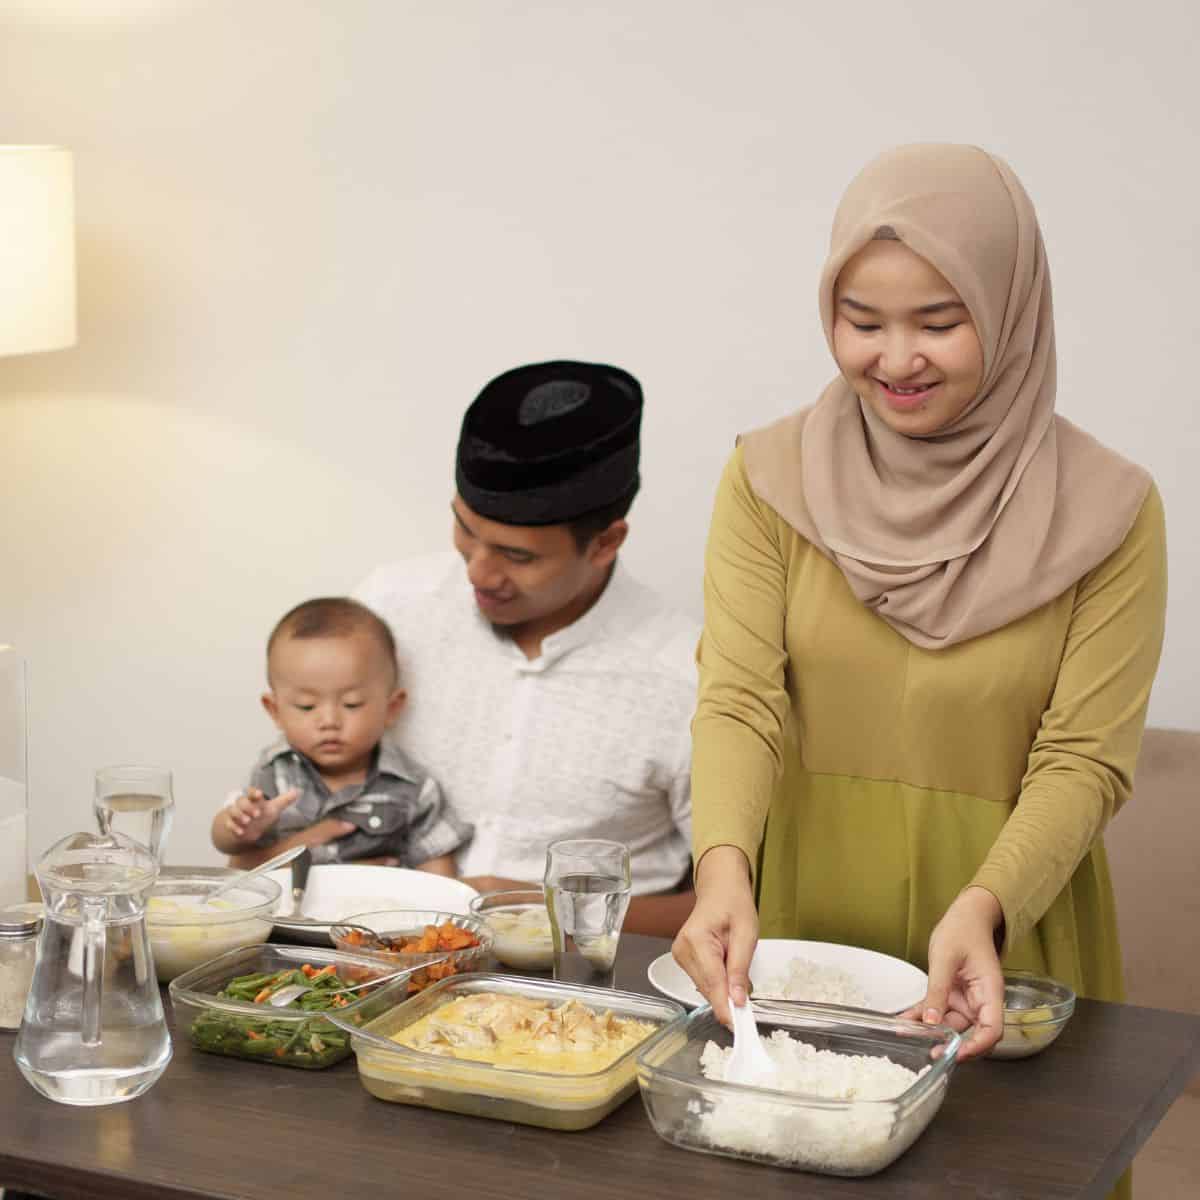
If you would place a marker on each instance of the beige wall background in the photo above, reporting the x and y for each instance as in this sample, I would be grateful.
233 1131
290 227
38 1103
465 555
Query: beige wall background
308 232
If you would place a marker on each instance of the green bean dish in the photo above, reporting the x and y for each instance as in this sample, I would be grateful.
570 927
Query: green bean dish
285 1040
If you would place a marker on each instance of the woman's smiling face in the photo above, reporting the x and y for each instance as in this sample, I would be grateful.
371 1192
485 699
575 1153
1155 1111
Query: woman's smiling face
904 340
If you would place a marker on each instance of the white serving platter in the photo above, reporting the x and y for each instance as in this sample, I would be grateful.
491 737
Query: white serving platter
890 984
339 891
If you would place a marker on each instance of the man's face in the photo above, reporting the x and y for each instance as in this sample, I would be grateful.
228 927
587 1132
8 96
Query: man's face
525 574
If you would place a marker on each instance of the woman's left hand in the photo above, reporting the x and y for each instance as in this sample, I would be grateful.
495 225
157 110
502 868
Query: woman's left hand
966 984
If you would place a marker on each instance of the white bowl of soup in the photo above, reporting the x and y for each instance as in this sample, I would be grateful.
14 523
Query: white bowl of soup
520 927
187 929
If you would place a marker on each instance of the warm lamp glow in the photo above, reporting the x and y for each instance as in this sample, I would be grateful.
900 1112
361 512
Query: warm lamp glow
37 249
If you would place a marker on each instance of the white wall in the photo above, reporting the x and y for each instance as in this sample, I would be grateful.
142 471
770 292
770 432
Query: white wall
309 232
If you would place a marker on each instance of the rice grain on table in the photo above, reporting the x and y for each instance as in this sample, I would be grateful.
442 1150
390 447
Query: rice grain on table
856 1139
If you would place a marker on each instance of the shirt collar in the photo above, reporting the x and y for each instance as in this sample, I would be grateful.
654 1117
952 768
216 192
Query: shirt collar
279 749
393 761
611 609
390 760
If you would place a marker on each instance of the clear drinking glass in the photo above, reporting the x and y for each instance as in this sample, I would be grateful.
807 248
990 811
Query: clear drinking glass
138 802
587 894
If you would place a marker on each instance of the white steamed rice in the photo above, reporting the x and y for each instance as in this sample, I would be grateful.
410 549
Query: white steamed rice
804 979
854 1140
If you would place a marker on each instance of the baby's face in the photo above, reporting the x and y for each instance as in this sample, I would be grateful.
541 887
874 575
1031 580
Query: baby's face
333 697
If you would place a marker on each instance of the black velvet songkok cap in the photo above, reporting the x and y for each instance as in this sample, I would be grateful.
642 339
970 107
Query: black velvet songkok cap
546 443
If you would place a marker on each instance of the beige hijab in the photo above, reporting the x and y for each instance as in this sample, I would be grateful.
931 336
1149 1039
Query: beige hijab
966 530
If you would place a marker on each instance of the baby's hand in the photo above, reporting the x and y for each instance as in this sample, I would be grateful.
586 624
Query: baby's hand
252 814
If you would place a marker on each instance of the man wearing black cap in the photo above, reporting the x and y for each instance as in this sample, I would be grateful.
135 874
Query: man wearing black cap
551 694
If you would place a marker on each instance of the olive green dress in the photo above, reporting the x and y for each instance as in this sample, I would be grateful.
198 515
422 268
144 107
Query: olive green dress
869 780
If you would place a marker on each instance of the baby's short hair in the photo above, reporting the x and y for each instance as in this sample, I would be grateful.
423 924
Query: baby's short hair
333 616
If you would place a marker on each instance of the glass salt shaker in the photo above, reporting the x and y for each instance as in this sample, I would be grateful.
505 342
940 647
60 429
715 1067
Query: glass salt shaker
19 928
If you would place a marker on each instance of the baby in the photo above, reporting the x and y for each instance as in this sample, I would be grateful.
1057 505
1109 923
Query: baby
334 691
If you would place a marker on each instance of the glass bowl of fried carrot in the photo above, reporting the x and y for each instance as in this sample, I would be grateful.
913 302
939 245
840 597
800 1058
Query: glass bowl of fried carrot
404 936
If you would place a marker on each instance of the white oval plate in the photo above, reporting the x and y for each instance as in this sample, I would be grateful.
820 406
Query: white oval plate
338 891
890 984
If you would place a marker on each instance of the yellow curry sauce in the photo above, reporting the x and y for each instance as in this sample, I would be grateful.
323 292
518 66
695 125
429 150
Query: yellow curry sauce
520 1033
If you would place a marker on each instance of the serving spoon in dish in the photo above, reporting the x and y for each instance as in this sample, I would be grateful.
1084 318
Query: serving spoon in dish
279 860
292 991
370 939
749 1063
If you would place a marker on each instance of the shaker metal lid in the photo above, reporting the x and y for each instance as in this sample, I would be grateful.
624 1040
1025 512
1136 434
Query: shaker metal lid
20 920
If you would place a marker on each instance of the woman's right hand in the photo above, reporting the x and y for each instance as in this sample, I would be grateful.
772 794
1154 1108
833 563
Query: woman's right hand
717 941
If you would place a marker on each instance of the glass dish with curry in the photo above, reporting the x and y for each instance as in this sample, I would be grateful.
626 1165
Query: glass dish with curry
532 1051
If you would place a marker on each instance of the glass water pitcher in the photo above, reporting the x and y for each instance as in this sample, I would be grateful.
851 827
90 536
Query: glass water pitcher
93 1031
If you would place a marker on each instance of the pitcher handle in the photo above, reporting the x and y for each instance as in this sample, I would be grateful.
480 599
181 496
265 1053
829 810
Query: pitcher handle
94 939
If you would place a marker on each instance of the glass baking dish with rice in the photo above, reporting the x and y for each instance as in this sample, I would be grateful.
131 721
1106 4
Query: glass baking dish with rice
854 1088
530 1051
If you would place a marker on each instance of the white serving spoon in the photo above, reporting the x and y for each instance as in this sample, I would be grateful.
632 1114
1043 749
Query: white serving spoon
749 1063
278 861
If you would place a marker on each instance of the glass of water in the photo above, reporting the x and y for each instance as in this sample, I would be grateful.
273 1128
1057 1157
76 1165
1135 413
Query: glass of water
587 894
136 801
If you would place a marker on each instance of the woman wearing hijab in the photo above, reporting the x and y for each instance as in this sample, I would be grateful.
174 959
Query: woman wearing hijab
933 613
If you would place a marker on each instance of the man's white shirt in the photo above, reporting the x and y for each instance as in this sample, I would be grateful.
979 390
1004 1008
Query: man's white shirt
590 739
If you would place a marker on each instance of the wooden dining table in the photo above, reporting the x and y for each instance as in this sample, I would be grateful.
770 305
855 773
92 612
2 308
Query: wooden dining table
1063 1124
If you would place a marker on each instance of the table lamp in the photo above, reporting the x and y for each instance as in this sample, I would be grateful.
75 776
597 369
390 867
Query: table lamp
37 249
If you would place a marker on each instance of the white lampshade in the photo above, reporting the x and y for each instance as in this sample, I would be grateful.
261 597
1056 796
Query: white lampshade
37 249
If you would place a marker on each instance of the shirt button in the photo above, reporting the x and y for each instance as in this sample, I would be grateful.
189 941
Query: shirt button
375 822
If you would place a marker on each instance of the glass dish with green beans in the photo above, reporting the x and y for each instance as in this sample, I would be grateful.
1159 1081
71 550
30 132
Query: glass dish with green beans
224 1004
